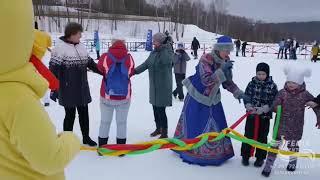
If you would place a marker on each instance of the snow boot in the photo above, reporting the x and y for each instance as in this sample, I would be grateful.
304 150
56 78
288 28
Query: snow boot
89 141
292 165
258 163
121 141
245 161
102 141
164 133
175 94
155 133
266 173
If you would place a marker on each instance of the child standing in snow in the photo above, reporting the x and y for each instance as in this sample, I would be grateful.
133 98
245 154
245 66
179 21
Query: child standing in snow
117 66
261 92
293 99
180 67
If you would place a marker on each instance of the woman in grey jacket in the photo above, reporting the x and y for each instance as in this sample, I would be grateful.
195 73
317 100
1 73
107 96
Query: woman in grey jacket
180 66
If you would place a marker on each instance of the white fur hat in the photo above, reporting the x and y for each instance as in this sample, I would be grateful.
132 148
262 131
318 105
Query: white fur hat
296 74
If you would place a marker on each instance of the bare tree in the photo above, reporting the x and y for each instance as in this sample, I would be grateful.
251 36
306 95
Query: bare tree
221 8
89 14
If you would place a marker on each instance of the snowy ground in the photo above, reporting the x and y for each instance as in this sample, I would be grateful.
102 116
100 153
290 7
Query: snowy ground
164 164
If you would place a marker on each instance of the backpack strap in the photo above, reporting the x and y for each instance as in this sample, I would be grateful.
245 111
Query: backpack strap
115 60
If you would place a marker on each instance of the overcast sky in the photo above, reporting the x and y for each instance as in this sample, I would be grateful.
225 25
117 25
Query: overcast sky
276 10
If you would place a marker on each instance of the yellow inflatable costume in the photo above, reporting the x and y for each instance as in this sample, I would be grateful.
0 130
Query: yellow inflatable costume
30 149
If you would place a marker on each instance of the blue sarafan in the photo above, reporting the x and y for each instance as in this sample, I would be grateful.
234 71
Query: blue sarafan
203 112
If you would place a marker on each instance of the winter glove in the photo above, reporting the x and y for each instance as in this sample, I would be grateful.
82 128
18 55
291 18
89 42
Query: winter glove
227 70
54 96
263 109
275 143
250 108
240 95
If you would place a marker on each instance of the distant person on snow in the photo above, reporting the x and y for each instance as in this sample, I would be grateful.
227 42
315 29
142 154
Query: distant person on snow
96 43
287 48
281 48
294 47
168 39
238 46
180 67
195 46
315 52
244 47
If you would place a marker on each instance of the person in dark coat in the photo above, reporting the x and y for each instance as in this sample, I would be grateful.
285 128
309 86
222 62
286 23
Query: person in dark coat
168 39
287 48
262 92
238 45
159 65
244 47
195 46
69 62
180 67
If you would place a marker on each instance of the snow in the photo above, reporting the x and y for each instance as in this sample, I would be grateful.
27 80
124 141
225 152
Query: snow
131 30
164 164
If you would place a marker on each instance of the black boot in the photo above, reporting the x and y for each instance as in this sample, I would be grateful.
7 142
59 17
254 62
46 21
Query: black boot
292 166
164 133
175 94
259 163
102 141
89 141
121 141
155 133
266 173
245 161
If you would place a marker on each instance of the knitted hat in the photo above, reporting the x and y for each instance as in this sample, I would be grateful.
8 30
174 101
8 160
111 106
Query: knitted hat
159 37
224 43
295 74
264 67
180 45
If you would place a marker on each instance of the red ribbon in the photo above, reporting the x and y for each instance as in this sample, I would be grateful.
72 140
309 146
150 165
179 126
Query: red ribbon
256 133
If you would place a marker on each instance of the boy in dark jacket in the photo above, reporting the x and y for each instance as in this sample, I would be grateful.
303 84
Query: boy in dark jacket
180 67
262 92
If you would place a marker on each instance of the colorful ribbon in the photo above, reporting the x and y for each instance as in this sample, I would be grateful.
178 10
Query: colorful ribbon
190 144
